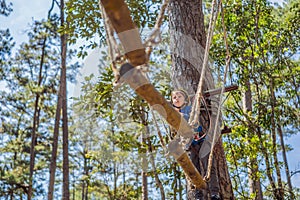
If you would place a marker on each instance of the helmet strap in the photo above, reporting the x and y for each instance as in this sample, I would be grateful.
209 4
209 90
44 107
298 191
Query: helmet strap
179 107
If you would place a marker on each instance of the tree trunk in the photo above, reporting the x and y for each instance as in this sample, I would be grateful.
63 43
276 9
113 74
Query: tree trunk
254 181
36 117
187 37
37 114
145 137
144 169
286 165
85 184
257 129
55 145
152 161
61 105
280 189
115 171
66 191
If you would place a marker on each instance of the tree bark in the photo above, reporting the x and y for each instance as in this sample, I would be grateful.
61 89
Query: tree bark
61 106
66 189
188 38
52 169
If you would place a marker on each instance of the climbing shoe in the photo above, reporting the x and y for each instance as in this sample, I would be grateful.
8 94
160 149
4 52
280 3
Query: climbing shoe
215 197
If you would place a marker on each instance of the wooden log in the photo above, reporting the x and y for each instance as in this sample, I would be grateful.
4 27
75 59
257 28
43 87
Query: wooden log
147 91
128 33
186 164
209 93
142 87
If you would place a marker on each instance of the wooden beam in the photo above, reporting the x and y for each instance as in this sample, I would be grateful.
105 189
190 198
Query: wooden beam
137 81
213 92
128 33
186 164
225 130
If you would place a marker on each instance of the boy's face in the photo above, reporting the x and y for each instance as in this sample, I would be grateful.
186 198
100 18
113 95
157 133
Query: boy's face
177 98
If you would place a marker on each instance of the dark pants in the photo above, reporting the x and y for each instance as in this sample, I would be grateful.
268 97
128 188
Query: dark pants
201 164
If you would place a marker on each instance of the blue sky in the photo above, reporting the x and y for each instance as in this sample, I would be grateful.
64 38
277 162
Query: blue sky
24 12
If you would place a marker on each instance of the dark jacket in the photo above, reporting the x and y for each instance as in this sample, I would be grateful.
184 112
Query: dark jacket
200 136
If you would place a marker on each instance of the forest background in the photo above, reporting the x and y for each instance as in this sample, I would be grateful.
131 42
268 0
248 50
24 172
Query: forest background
25 19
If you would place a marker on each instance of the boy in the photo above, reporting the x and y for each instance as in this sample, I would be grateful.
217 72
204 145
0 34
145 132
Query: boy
180 102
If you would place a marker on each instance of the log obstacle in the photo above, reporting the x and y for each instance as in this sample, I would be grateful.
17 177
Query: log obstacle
119 15
137 81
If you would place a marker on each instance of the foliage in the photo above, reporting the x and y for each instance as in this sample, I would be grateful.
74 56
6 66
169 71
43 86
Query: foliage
6 41
114 119
33 72
105 147
6 45
263 49
5 7
108 123
85 21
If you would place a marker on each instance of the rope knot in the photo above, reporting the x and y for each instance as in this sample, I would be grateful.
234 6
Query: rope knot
206 178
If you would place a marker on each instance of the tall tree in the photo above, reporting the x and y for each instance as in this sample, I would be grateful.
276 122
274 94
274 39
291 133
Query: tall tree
27 106
28 80
61 107
254 181
37 109
52 168
188 38
244 21
63 37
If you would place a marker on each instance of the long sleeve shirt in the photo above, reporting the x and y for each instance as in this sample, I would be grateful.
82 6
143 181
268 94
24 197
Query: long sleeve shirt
199 134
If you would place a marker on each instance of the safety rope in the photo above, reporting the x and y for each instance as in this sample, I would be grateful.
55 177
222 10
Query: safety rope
113 49
154 39
195 112
158 130
208 119
157 127
210 160
155 36
165 149
114 52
